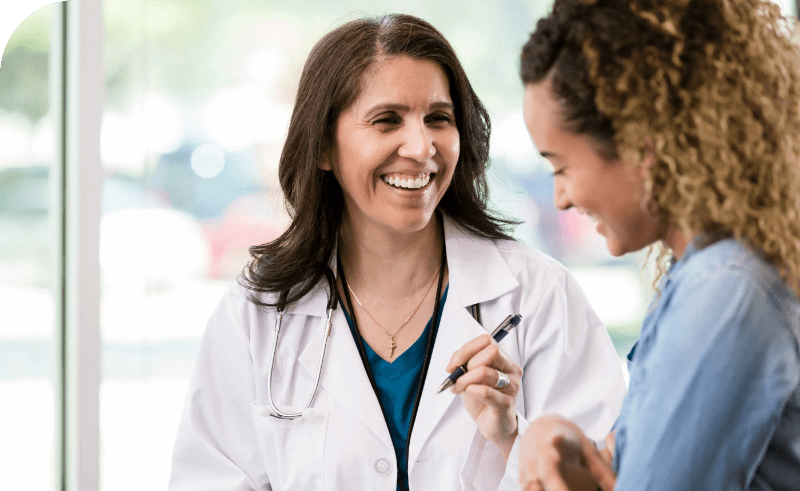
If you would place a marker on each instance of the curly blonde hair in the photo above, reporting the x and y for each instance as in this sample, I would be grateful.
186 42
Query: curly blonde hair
709 88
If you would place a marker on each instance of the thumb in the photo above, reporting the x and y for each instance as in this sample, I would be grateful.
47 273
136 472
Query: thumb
599 466
610 441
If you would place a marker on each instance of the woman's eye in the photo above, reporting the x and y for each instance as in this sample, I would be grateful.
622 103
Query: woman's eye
440 118
386 120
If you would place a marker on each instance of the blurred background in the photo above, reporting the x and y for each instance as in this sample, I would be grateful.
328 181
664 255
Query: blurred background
198 99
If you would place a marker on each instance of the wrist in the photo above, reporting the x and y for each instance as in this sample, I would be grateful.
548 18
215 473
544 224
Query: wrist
507 444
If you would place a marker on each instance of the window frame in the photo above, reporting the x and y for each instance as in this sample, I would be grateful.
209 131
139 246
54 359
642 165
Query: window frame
78 97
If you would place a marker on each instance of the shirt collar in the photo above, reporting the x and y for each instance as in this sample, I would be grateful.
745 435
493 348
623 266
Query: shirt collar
692 247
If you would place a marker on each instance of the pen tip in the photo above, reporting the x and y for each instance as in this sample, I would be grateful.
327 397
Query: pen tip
515 320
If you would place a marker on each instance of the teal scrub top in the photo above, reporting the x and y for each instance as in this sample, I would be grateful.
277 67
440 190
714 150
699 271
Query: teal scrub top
397 385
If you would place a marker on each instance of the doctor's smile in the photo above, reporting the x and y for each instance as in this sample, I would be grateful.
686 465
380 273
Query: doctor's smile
407 181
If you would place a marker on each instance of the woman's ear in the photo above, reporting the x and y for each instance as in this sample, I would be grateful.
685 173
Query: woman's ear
646 165
649 158
325 161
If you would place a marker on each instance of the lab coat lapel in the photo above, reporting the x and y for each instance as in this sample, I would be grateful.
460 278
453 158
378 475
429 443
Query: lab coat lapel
343 375
477 273
457 328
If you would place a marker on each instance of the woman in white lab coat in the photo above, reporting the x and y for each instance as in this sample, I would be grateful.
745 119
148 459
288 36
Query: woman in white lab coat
384 173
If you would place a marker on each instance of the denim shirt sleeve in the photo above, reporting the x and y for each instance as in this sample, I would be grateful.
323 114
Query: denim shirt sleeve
710 387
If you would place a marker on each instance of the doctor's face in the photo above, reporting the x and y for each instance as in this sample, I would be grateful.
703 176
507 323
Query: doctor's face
607 190
396 146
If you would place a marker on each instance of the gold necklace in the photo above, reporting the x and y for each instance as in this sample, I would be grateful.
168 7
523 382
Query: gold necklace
391 344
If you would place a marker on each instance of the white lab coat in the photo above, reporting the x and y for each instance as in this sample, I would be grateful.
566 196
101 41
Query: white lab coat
227 440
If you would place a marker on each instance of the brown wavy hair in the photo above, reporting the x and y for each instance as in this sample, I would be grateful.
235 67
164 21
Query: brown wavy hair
709 88
331 80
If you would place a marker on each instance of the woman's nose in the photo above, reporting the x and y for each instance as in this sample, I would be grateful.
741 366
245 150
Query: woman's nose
417 143
560 196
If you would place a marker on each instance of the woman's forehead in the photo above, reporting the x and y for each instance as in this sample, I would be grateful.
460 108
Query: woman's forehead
403 80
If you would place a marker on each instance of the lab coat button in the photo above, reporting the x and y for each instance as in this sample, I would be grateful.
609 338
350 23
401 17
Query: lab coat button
382 466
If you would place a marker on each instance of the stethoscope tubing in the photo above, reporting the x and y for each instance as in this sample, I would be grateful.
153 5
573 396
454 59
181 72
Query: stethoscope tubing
332 301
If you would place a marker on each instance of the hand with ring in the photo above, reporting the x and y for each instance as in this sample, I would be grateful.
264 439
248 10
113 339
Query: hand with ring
489 389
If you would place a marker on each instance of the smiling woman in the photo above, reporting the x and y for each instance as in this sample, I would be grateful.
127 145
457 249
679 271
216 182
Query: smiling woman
589 176
400 133
675 123
384 172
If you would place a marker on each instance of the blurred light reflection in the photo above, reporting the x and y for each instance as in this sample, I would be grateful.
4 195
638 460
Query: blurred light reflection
238 118
208 160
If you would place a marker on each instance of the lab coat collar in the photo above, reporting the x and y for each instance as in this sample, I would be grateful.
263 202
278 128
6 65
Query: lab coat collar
477 269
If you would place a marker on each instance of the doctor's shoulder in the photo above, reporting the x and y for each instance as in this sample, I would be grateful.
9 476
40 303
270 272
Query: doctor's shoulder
557 309
537 272
241 309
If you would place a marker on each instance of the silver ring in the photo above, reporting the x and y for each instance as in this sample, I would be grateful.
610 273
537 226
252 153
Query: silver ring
502 380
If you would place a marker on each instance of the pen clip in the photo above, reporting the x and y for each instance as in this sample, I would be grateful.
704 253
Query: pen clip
501 326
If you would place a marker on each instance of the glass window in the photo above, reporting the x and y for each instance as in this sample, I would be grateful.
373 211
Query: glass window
28 377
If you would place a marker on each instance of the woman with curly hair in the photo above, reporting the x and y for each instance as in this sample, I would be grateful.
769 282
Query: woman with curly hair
677 124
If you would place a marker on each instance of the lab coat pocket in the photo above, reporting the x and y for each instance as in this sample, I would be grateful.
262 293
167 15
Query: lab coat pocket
292 448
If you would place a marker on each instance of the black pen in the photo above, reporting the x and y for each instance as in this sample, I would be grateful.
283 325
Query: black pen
499 333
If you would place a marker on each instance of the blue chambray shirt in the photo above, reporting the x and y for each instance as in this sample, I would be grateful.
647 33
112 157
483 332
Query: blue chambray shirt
714 401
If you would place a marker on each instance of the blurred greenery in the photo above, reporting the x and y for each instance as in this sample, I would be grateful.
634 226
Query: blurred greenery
190 49
25 67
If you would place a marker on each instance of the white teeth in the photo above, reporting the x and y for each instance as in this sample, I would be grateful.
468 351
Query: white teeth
409 183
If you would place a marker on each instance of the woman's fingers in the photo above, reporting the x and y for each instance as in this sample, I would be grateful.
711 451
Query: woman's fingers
599 468
541 474
531 486
610 440
557 454
486 376
470 349
485 365
491 355
491 397
490 406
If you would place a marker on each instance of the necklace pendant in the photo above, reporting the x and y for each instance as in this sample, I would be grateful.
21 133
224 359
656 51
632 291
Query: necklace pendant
392 346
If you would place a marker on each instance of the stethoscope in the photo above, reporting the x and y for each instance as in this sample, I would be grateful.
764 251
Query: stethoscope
333 300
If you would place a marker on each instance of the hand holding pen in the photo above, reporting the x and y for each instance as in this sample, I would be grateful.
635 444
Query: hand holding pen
488 383
498 334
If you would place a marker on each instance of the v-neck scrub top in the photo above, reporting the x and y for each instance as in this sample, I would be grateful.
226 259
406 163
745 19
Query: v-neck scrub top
397 387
